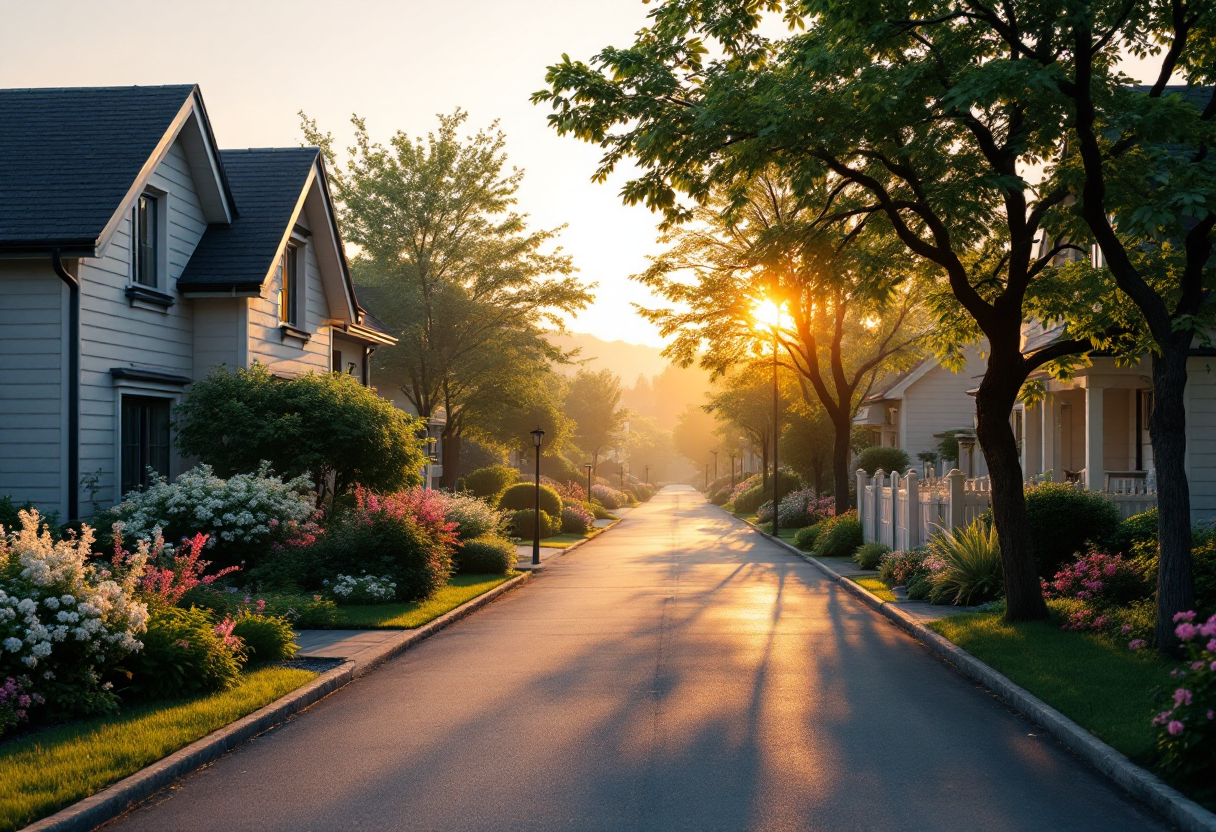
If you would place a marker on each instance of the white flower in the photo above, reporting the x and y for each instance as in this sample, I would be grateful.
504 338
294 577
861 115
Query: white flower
51 603
67 600
42 649
12 645
26 606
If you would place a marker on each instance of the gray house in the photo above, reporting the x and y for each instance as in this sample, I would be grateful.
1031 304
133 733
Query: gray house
135 257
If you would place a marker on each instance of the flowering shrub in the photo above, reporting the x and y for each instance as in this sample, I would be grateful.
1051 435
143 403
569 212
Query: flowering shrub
568 491
63 620
15 703
608 496
365 589
186 652
1186 735
898 568
1097 586
473 516
254 509
165 586
576 519
804 507
764 513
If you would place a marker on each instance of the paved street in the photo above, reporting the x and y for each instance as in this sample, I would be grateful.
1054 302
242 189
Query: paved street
677 673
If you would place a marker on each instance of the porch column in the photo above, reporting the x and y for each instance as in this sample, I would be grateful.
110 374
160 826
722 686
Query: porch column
1095 461
1032 456
1050 448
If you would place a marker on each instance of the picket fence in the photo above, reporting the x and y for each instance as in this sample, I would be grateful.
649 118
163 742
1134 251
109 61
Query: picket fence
905 511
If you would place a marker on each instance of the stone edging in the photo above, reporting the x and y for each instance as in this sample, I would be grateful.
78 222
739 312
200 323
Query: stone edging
1174 806
117 798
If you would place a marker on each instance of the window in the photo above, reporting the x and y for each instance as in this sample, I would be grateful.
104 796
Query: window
288 294
145 440
337 365
147 241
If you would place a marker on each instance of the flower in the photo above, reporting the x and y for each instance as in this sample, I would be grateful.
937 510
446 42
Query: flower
1137 644
1182 696
1189 615
1175 727
1186 631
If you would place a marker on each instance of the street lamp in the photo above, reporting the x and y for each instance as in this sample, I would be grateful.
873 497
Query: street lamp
732 471
587 468
538 436
622 475
715 453
769 313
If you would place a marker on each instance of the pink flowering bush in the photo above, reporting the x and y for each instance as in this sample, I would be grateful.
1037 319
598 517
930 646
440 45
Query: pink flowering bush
168 573
1186 727
186 652
15 702
1102 593
568 491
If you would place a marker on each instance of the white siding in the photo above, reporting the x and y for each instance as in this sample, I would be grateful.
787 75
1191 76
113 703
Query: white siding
288 356
115 334
217 333
936 402
1201 436
33 367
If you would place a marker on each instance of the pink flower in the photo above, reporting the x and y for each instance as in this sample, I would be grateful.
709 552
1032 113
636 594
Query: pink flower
1211 648
1109 570
1175 727
1182 696
1185 631
1137 644
1209 629
1212 667
1189 615
1125 629
1197 665
1211 714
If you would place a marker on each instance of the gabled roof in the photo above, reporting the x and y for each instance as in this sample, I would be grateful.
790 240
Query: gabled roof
894 386
268 184
69 158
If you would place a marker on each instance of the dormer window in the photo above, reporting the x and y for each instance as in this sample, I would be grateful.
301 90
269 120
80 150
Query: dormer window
147 241
289 288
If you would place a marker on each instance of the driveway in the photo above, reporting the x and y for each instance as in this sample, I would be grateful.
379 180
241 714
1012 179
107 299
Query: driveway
680 672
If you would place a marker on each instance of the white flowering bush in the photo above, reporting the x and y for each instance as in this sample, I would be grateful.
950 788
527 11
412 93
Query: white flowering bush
365 589
63 620
246 509
473 516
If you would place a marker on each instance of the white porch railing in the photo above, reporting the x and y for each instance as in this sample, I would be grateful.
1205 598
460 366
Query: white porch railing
904 511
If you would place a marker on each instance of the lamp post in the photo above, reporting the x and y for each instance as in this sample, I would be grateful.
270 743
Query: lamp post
715 453
768 313
732 471
648 475
587 468
538 436
707 476
622 475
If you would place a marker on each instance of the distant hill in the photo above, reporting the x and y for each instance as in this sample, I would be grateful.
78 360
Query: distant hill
626 360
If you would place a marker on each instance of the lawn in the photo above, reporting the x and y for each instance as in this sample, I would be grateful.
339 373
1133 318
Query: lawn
48 770
1096 682
562 541
876 587
407 616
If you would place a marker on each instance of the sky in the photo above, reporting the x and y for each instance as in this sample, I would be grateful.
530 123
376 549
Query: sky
396 63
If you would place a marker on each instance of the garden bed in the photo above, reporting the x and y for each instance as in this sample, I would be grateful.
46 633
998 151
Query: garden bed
875 586
563 541
406 616
1092 679
44 771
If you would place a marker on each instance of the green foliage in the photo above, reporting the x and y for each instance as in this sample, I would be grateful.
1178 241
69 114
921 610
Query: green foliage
523 524
473 517
598 511
748 501
888 459
488 483
965 565
1063 520
489 555
523 496
267 638
1135 532
805 538
183 655
868 555
898 568
304 612
576 519
839 536
325 425
593 401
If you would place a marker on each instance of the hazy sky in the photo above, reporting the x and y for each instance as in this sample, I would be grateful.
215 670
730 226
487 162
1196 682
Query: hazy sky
395 63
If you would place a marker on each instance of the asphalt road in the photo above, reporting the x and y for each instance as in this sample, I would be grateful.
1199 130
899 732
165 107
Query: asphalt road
679 673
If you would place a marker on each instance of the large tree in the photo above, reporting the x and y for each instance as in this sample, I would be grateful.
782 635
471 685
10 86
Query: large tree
851 312
453 271
593 401
932 134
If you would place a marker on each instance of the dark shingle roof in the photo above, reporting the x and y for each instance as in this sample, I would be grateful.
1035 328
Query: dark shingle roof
266 184
68 156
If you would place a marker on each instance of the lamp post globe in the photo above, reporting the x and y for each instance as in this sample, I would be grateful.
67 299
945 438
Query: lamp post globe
538 436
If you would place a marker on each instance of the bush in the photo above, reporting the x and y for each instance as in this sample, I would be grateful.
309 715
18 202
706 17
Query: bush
488 483
488 555
898 568
1186 731
66 620
185 653
523 496
749 500
1136 531
473 516
868 555
267 638
576 519
1063 520
888 459
303 612
325 425
607 496
764 512
599 512
569 491
523 524
365 589
805 537
804 508
720 497
965 565
839 537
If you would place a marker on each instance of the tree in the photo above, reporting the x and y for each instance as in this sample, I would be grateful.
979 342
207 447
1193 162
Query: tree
453 271
807 444
847 293
326 425
693 437
925 130
592 401
744 400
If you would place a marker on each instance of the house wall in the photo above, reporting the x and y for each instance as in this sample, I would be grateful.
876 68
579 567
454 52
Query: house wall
936 402
266 341
33 390
351 353
1201 436
116 334
218 334
1117 430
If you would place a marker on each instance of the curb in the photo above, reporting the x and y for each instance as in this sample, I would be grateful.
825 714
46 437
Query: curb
528 567
1140 783
113 800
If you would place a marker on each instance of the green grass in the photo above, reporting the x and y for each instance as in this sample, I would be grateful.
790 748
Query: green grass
51 769
1094 681
407 616
876 587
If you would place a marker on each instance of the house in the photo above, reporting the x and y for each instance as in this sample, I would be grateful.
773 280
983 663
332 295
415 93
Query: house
911 410
135 257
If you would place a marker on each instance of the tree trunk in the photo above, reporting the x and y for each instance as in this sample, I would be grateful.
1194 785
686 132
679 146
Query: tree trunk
450 458
1175 579
994 402
842 429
